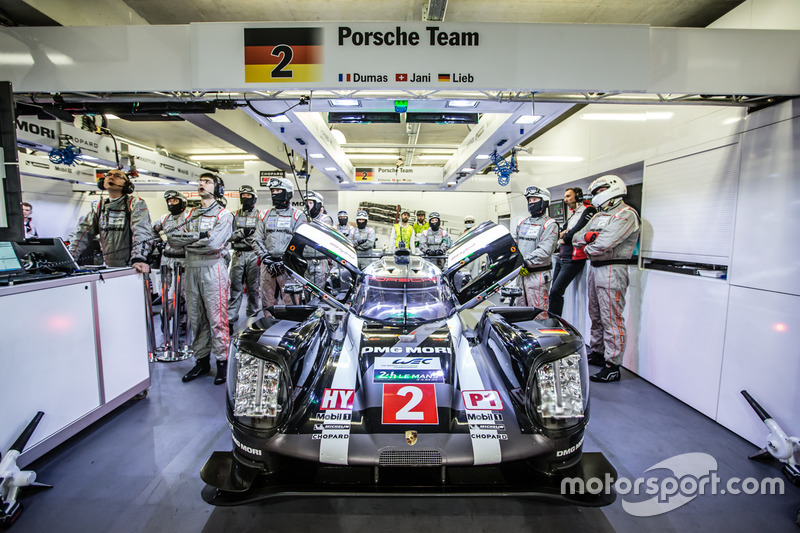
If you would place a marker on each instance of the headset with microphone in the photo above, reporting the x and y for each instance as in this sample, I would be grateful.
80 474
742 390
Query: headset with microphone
219 185
126 189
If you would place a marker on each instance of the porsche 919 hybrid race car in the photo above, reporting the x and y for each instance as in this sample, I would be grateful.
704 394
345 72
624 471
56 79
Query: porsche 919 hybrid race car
405 380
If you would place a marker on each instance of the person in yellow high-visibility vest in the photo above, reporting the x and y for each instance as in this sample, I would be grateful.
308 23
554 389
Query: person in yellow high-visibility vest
402 231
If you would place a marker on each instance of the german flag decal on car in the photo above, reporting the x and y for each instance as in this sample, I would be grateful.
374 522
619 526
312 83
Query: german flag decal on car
554 331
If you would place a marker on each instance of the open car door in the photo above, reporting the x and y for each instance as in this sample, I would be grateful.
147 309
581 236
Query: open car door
483 260
317 252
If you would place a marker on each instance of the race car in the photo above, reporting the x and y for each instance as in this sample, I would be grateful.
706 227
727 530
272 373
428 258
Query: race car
405 381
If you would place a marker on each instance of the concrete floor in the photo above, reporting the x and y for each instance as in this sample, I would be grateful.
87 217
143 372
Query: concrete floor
138 470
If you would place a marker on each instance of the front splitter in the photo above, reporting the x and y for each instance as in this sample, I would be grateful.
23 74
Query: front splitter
587 483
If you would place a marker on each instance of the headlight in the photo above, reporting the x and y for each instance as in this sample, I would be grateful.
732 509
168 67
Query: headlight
257 389
257 383
559 392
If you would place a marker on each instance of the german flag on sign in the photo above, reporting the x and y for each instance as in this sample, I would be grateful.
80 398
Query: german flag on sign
275 55
444 77
365 174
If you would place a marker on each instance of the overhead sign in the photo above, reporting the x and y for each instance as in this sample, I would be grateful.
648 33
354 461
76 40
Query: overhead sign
163 165
31 165
53 133
417 55
398 174
265 175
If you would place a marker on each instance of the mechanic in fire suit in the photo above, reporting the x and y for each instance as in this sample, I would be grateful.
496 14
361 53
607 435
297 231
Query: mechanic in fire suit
170 228
609 241
244 265
122 222
571 259
318 264
435 241
344 228
274 231
537 236
363 239
209 228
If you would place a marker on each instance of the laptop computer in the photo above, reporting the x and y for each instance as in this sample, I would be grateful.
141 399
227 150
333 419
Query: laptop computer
11 270
45 255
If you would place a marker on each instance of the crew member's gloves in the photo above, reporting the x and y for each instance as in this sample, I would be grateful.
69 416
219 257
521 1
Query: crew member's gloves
362 241
591 236
203 234
523 271
249 231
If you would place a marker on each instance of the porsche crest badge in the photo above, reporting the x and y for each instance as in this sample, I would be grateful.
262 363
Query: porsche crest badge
411 437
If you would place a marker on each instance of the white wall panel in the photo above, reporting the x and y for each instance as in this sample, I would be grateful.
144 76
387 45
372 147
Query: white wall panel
48 346
123 337
761 356
681 330
689 204
765 253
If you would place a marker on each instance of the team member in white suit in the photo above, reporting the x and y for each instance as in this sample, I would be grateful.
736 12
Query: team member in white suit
244 266
209 228
273 234
363 239
609 241
344 228
537 236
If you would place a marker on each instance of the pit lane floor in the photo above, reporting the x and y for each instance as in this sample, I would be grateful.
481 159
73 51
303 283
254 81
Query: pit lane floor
138 470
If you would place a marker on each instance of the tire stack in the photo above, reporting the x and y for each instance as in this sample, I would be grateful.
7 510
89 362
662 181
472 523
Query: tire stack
383 213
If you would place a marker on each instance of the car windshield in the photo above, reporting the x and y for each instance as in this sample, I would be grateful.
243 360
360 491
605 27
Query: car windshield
404 295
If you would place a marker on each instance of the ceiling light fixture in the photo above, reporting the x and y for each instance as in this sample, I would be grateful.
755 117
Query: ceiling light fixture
331 169
344 102
372 156
482 156
279 118
439 157
528 119
222 157
462 103
316 156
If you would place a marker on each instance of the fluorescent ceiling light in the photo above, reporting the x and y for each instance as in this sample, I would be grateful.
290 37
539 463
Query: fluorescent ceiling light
451 183
462 103
482 156
93 158
111 116
468 169
316 156
528 119
339 136
222 157
436 156
373 156
344 102
629 117
552 158
279 118
331 169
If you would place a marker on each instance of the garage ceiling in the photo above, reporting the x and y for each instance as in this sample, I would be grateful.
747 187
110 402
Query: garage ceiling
185 139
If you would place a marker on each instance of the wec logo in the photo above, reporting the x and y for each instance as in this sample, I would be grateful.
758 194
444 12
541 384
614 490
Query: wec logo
412 361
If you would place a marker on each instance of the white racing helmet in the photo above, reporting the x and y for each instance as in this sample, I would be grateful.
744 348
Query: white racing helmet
362 215
283 184
616 189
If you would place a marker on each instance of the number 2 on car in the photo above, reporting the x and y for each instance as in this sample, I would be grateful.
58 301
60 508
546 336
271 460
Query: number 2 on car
404 403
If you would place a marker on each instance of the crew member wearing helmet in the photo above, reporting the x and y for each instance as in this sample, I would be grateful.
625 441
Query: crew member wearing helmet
209 228
244 266
344 228
469 223
169 228
318 264
402 233
122 223
273 234
571 259
435 241
419 226
537 236
609 241
363 239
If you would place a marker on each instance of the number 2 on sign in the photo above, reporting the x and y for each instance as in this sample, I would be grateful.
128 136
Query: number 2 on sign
288 54
409 404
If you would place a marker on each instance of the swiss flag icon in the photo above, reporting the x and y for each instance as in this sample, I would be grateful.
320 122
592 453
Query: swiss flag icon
482 400
401 77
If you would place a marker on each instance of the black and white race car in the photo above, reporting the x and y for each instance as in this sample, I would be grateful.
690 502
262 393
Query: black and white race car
403 384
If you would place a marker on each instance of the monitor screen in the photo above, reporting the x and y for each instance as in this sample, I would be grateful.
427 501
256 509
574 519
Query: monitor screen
557 212
9 262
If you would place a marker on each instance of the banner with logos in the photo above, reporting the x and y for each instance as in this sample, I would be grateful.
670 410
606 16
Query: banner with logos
163 165
49 133
396 174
